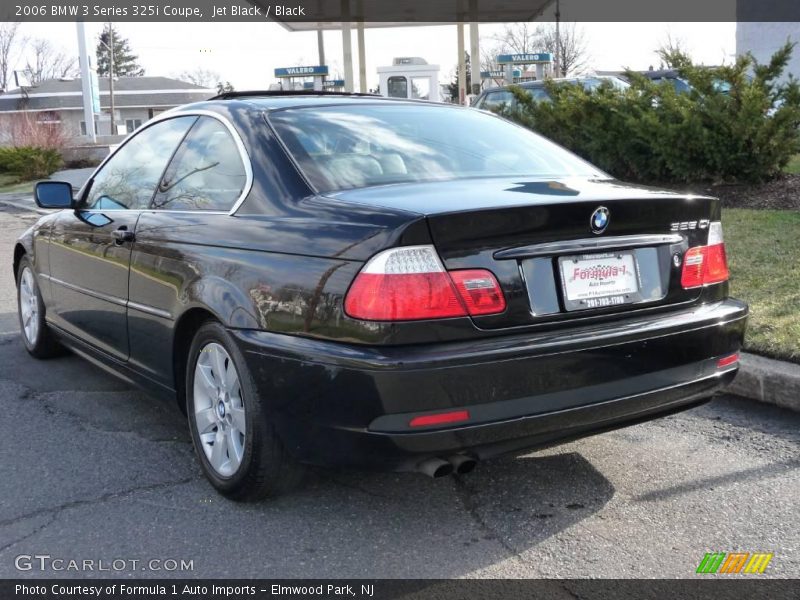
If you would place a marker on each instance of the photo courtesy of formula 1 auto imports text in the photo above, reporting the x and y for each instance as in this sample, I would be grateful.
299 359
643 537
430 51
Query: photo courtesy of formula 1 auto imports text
376 299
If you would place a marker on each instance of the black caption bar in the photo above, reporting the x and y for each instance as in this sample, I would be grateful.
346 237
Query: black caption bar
420 589
400 11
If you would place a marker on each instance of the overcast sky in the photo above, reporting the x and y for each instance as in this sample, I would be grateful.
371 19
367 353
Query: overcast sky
247 53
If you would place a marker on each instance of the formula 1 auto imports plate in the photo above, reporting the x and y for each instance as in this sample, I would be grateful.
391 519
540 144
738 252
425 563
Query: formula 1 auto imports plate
599 280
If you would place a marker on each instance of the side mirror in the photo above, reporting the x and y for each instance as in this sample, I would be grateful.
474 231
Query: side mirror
53 194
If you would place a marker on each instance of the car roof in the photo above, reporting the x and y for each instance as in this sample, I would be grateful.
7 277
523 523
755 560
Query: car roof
662 74
275 100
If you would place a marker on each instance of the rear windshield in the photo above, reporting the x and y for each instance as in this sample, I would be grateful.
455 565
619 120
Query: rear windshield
345 147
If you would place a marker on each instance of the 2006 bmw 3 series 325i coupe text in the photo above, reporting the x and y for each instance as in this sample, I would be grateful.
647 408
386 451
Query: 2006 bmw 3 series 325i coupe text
351 280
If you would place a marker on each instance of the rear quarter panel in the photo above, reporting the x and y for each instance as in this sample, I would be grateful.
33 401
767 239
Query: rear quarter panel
284 274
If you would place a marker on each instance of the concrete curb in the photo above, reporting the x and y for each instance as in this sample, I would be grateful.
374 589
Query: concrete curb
21 202
768 380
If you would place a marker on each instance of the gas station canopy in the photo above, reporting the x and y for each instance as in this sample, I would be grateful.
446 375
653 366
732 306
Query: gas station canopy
345 15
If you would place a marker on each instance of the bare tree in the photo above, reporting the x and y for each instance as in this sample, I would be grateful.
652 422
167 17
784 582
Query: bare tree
490 48
518 38
573 54
525 38
8 39
47 62
202 77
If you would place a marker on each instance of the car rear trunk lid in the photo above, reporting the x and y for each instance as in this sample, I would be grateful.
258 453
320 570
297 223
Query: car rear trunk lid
539 240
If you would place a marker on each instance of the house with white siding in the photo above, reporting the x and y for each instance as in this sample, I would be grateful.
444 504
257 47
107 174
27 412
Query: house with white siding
136 100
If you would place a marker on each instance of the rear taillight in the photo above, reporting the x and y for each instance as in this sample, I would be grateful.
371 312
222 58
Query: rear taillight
704 265
480 291
410 283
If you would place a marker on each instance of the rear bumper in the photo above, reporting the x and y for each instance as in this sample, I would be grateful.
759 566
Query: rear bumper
341 404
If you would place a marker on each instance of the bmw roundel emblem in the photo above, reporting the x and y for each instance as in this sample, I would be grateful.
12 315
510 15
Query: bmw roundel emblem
601 217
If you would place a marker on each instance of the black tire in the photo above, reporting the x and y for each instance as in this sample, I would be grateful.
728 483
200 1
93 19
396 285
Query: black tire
266 469
42 343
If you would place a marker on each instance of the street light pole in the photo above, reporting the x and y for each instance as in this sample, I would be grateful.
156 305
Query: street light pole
86 83
111 77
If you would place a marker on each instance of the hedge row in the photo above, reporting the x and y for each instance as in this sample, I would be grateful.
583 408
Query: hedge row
28 163
650 133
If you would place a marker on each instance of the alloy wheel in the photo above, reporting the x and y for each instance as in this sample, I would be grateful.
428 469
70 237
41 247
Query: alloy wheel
219 410
29 306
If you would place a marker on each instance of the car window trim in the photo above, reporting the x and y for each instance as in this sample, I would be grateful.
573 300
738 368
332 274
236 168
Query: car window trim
173 114
244 158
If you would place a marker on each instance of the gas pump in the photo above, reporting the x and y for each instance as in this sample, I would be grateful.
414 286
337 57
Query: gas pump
542 60
497 78
410 77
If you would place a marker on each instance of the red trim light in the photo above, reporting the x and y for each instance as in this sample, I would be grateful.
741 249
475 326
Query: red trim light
439 419
704 265
410 283
480 291
727 361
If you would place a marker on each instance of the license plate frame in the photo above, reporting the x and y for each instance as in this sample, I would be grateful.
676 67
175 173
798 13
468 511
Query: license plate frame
623 284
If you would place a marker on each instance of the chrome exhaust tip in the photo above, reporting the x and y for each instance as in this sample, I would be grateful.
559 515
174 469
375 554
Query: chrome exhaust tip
462 464
435 467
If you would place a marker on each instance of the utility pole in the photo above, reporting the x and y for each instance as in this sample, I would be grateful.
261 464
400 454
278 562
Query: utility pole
462 64
474 49
558 40
86 83
111 77
320 45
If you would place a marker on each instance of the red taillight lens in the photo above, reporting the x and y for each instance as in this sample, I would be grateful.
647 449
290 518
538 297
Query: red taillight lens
410 283
704 265
440 419
716 269
396 297
480 291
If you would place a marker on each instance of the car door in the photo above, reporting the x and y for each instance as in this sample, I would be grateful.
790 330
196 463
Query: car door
90 247
209 173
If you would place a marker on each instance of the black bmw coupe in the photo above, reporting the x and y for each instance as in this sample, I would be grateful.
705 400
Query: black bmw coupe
350 280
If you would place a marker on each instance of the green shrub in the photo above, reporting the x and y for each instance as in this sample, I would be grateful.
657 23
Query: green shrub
651 133
27 163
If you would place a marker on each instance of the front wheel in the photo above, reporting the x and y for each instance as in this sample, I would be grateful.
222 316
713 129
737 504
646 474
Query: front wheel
233 436
36 335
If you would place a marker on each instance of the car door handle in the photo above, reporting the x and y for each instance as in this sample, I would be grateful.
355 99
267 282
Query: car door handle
122 235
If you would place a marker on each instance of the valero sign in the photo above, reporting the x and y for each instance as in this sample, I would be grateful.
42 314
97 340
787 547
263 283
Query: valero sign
301 71
329 83
499 74
524 59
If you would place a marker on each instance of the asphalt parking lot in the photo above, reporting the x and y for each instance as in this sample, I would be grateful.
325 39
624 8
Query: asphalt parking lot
95 470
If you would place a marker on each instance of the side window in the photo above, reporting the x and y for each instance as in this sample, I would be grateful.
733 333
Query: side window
129 178
206 173
397 87
495 99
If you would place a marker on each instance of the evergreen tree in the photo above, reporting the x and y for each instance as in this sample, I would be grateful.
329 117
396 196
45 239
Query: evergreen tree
126 63
453 86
